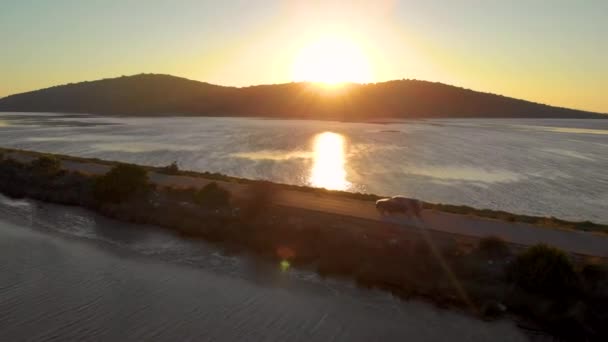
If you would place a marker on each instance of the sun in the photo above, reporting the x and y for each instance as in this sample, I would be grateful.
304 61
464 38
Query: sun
332 61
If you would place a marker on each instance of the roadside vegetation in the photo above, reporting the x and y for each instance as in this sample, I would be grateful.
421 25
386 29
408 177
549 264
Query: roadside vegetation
173 169
548 222
122 182
493 248
545 288
550 289
49 165
212 196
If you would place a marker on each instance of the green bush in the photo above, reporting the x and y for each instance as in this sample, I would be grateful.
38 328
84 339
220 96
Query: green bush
121 182
493 247
213 196
46 164
544 270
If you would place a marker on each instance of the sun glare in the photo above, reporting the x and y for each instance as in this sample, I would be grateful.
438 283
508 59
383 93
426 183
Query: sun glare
329 160
332 61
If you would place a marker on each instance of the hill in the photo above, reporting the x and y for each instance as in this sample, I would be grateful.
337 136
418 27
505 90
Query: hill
152 94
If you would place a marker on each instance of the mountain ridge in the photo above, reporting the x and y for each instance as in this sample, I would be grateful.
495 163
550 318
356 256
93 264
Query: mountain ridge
159 95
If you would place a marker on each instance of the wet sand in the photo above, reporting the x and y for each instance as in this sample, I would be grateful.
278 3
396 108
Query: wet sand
58 288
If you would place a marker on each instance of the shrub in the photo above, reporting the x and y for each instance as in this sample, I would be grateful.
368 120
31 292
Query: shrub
11 164
262 191
544 270
121 182
595 277
171 169
260 197
213 196
46 164
595 272
493 247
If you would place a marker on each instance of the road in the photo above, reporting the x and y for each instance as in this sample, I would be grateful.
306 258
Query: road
579 242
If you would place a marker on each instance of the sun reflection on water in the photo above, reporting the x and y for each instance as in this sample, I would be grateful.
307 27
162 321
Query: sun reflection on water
328 162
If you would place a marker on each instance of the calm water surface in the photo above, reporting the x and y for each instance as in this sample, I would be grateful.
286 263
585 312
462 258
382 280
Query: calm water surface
538 167
68 274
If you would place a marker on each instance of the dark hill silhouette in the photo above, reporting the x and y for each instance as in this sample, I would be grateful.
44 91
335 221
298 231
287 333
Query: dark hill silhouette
151 94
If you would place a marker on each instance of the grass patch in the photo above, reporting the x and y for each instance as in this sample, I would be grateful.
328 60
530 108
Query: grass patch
46 164
493 247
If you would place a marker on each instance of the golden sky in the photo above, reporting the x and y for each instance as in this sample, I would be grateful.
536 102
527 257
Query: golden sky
551 52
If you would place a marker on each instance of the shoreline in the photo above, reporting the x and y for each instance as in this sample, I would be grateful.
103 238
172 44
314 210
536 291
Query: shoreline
329 231
548 222
379 121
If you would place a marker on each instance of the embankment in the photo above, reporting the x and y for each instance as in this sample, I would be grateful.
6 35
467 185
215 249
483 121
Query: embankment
483 277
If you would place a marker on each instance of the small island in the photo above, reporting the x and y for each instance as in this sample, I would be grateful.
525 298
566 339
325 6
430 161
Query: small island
166 95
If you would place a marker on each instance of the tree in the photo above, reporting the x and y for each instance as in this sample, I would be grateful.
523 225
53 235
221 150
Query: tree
171 169
121 183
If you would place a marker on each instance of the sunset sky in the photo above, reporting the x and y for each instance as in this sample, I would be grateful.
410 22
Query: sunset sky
553 51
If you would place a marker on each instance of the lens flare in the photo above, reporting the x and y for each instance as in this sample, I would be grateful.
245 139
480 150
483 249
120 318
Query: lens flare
284 265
